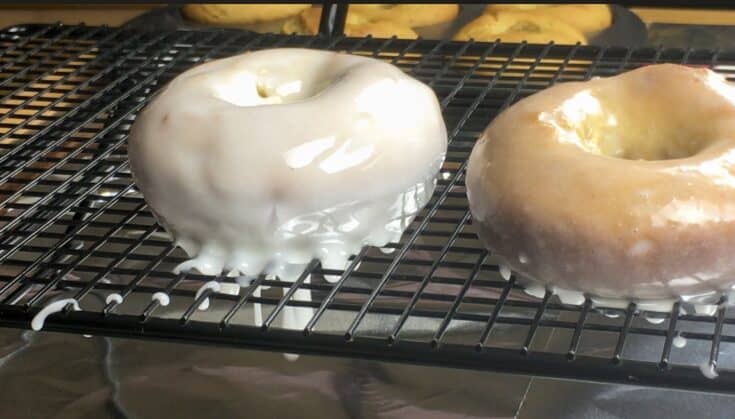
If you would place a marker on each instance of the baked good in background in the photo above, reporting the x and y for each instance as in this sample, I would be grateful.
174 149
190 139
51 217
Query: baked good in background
240 14
519 26
412 15
588 18
356 25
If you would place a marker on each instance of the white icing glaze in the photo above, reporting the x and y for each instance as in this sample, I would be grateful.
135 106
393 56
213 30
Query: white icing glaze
654 319
702 298
535 291
610 314
658 306
569 297
708 370
679 341
706 309
504 272
296 318
117 298
229 288
244 281
257 309
277 157
40 318
209 285
162 298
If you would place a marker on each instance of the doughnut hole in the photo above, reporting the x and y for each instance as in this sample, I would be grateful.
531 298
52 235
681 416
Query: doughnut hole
272 85
648 128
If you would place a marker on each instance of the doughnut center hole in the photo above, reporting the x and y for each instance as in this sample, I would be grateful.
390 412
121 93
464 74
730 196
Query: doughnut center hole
272 89
630 131
262 91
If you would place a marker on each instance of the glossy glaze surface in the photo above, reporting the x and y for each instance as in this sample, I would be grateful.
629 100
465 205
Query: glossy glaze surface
263 161
620 188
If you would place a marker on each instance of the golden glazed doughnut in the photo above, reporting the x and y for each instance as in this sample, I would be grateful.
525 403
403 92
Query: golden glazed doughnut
517 27
413 15
307 23
622 188
585 17
241 14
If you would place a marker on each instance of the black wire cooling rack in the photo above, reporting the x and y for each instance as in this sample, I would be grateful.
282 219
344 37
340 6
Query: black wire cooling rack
72 224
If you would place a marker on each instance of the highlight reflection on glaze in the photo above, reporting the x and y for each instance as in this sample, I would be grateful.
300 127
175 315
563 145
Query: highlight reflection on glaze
276 157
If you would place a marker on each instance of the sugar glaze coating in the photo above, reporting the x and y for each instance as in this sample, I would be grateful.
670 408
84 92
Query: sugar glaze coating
618 188
263 161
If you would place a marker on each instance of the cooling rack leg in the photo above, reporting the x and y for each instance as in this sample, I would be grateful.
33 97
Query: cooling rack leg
333 19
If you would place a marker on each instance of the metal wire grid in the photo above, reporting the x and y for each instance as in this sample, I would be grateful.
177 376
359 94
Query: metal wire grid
73 224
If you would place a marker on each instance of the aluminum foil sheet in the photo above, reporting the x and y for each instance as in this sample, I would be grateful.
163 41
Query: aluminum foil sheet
49 375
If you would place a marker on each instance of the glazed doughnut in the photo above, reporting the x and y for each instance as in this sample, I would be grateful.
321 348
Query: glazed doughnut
307 23
518 27
263 161
621 188
588 18
241 14
412 15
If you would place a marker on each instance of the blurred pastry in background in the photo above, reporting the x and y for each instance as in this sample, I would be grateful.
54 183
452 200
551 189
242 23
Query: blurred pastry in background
381 29
412 15
519 26
241 14
588 18
357 25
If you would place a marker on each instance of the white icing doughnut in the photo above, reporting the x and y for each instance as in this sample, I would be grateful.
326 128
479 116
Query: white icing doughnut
276 157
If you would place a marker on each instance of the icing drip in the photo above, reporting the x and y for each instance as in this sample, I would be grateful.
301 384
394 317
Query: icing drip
40 318
114 297
679 341
210 285
708 370
504 272
162 298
